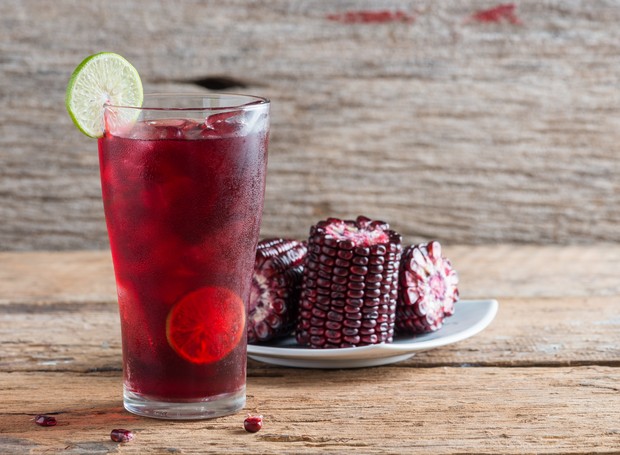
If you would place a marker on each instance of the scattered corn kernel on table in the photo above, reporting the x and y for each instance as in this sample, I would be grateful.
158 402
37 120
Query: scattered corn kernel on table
544 377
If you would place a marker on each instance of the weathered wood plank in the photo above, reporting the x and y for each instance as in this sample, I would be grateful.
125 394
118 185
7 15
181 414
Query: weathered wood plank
527 332
563 309
57 277
445 127
485 271
444 410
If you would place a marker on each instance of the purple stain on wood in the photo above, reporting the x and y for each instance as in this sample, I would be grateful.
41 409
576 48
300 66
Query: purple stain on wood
501 13
371 17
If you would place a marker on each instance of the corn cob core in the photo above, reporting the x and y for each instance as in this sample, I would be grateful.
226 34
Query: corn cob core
349 285
428 289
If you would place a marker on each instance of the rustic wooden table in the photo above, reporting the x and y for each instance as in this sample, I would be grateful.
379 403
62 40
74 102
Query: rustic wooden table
544 377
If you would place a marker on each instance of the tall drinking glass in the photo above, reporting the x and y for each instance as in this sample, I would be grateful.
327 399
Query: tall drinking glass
183 181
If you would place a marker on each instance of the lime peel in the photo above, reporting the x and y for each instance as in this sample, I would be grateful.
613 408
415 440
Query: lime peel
103 78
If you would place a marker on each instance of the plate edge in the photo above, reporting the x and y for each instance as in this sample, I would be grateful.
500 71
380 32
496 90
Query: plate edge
337 354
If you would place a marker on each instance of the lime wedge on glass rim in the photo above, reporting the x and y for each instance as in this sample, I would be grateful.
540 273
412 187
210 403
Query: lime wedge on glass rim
103 78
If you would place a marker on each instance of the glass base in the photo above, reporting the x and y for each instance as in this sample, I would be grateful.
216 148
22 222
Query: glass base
218 406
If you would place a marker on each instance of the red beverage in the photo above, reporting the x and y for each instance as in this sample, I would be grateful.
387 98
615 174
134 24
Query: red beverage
183 199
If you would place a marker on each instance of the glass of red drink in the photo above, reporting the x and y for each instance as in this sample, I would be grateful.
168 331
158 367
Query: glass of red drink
183 181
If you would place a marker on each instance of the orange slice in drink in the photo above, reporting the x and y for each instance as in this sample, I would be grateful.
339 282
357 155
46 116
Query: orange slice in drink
206 325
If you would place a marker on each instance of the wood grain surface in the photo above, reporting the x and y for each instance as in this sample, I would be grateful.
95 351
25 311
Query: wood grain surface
446 122
542 378
390 410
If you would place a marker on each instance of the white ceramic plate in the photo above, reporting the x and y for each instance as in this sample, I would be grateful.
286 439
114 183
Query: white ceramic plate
470 317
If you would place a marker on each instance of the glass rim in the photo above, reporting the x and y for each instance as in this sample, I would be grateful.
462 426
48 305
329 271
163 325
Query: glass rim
253 102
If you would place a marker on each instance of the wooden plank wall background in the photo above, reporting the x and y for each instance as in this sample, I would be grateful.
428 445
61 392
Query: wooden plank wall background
466 121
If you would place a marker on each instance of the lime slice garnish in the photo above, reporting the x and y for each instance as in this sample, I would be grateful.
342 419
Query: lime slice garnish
101 78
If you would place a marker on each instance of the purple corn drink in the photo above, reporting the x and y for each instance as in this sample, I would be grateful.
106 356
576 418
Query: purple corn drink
183 196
